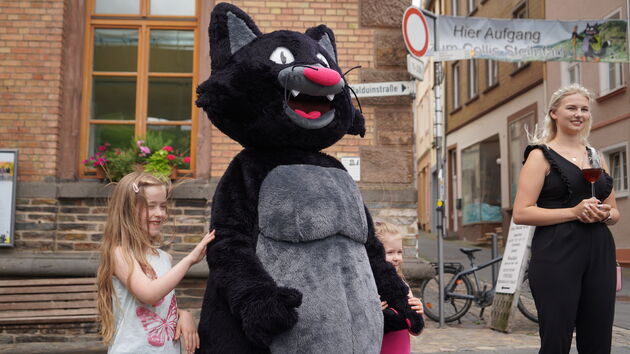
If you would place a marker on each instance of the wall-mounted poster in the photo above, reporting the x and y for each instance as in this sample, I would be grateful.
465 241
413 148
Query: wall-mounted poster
8 182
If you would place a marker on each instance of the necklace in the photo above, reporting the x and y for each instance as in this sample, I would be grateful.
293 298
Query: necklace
568 155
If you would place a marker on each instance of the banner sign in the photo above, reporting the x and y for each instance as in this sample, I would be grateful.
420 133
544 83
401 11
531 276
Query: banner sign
531 39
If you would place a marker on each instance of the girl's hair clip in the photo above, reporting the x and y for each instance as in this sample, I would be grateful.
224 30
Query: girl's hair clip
135 188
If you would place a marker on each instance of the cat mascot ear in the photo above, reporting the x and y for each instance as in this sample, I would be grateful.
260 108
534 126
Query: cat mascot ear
230 30
326 40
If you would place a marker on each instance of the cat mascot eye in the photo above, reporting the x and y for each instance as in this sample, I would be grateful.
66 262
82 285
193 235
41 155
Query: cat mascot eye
282 55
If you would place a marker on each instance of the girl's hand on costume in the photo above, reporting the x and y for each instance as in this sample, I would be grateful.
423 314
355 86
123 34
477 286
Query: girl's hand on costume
416 305
585 210
383 305
197 254
187 329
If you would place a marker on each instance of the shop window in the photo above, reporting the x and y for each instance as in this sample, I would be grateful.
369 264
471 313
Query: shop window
481 191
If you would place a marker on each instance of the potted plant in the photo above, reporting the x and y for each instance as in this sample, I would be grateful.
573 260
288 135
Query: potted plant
153 154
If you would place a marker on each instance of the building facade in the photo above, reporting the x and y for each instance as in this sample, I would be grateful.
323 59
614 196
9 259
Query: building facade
608 83
489 105
77 75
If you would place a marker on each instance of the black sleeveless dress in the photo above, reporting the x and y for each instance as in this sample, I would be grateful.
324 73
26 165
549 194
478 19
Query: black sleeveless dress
572 267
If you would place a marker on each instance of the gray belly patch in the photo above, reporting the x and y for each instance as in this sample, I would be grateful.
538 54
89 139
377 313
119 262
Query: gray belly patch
313 232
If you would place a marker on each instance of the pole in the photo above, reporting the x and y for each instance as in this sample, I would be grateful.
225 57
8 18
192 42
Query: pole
439 135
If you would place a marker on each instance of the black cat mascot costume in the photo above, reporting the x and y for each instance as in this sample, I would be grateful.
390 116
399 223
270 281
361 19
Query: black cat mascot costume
295 267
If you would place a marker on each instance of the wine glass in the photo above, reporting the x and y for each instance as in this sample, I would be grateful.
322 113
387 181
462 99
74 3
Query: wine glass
592 168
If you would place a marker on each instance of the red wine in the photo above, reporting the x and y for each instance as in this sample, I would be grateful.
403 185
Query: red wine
592 174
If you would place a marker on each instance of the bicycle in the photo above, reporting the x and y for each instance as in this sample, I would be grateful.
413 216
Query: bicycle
460 291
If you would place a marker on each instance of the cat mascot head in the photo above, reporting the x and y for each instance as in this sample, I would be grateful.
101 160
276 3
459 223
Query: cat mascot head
280 89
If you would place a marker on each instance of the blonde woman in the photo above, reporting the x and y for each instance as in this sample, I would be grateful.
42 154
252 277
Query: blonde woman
572 267
136 296
396 339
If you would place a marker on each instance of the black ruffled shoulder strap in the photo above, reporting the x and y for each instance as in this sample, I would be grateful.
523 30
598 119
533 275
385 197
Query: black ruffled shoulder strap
554 165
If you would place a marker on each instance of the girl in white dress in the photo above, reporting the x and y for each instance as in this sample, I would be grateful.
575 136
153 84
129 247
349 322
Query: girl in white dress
136 283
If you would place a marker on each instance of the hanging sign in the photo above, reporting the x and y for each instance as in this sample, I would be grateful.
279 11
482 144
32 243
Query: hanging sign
532 39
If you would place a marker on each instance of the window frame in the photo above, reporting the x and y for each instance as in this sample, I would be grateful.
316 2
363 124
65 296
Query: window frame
455 81
520 11
144 23
492 73
455 7
607 151
473 84
471 6
605 86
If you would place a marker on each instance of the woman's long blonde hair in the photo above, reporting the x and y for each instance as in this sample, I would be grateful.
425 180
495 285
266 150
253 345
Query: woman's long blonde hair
384 230
123 229
550 129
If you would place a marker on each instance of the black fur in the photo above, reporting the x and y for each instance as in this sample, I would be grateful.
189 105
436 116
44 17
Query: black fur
243 307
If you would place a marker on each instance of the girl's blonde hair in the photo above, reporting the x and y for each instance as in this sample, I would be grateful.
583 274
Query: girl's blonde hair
384 230
550 129
123 229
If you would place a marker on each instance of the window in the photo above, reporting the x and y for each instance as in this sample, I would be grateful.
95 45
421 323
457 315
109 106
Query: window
610 74
574 74
520 12
617 159
517 140
456 99
472 78
481 193
492 73
455 7
472 6
140 73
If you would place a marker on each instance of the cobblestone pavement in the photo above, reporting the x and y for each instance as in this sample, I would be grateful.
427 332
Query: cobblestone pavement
473 336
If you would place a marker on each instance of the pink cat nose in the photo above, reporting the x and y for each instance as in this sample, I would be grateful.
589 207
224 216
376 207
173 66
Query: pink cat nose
322 76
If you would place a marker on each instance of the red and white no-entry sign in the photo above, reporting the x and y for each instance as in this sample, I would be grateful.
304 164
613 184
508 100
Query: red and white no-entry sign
415 31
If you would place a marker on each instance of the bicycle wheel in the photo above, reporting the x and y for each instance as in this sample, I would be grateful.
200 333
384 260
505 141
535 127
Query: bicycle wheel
526 301
453 308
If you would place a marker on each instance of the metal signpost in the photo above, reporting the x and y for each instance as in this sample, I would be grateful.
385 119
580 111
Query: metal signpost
420 38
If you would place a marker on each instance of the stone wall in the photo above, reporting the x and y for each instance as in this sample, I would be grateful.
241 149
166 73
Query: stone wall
77 224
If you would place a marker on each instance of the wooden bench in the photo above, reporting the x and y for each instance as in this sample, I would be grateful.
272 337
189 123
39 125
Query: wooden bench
44 301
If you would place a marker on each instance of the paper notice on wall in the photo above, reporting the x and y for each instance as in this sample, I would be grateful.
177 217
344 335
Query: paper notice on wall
353 166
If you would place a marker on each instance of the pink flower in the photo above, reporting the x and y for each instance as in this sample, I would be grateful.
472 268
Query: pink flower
95 164
170 157
101 148
187 159
145 150
84 161
139 142
167 148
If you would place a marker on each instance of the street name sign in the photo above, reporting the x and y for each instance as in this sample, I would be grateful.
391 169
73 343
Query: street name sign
380 89
415 67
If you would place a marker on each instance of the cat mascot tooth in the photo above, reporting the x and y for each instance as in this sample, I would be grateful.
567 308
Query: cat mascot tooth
295 267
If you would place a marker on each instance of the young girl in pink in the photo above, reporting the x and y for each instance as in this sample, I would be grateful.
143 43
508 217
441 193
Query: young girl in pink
395 342
136 282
